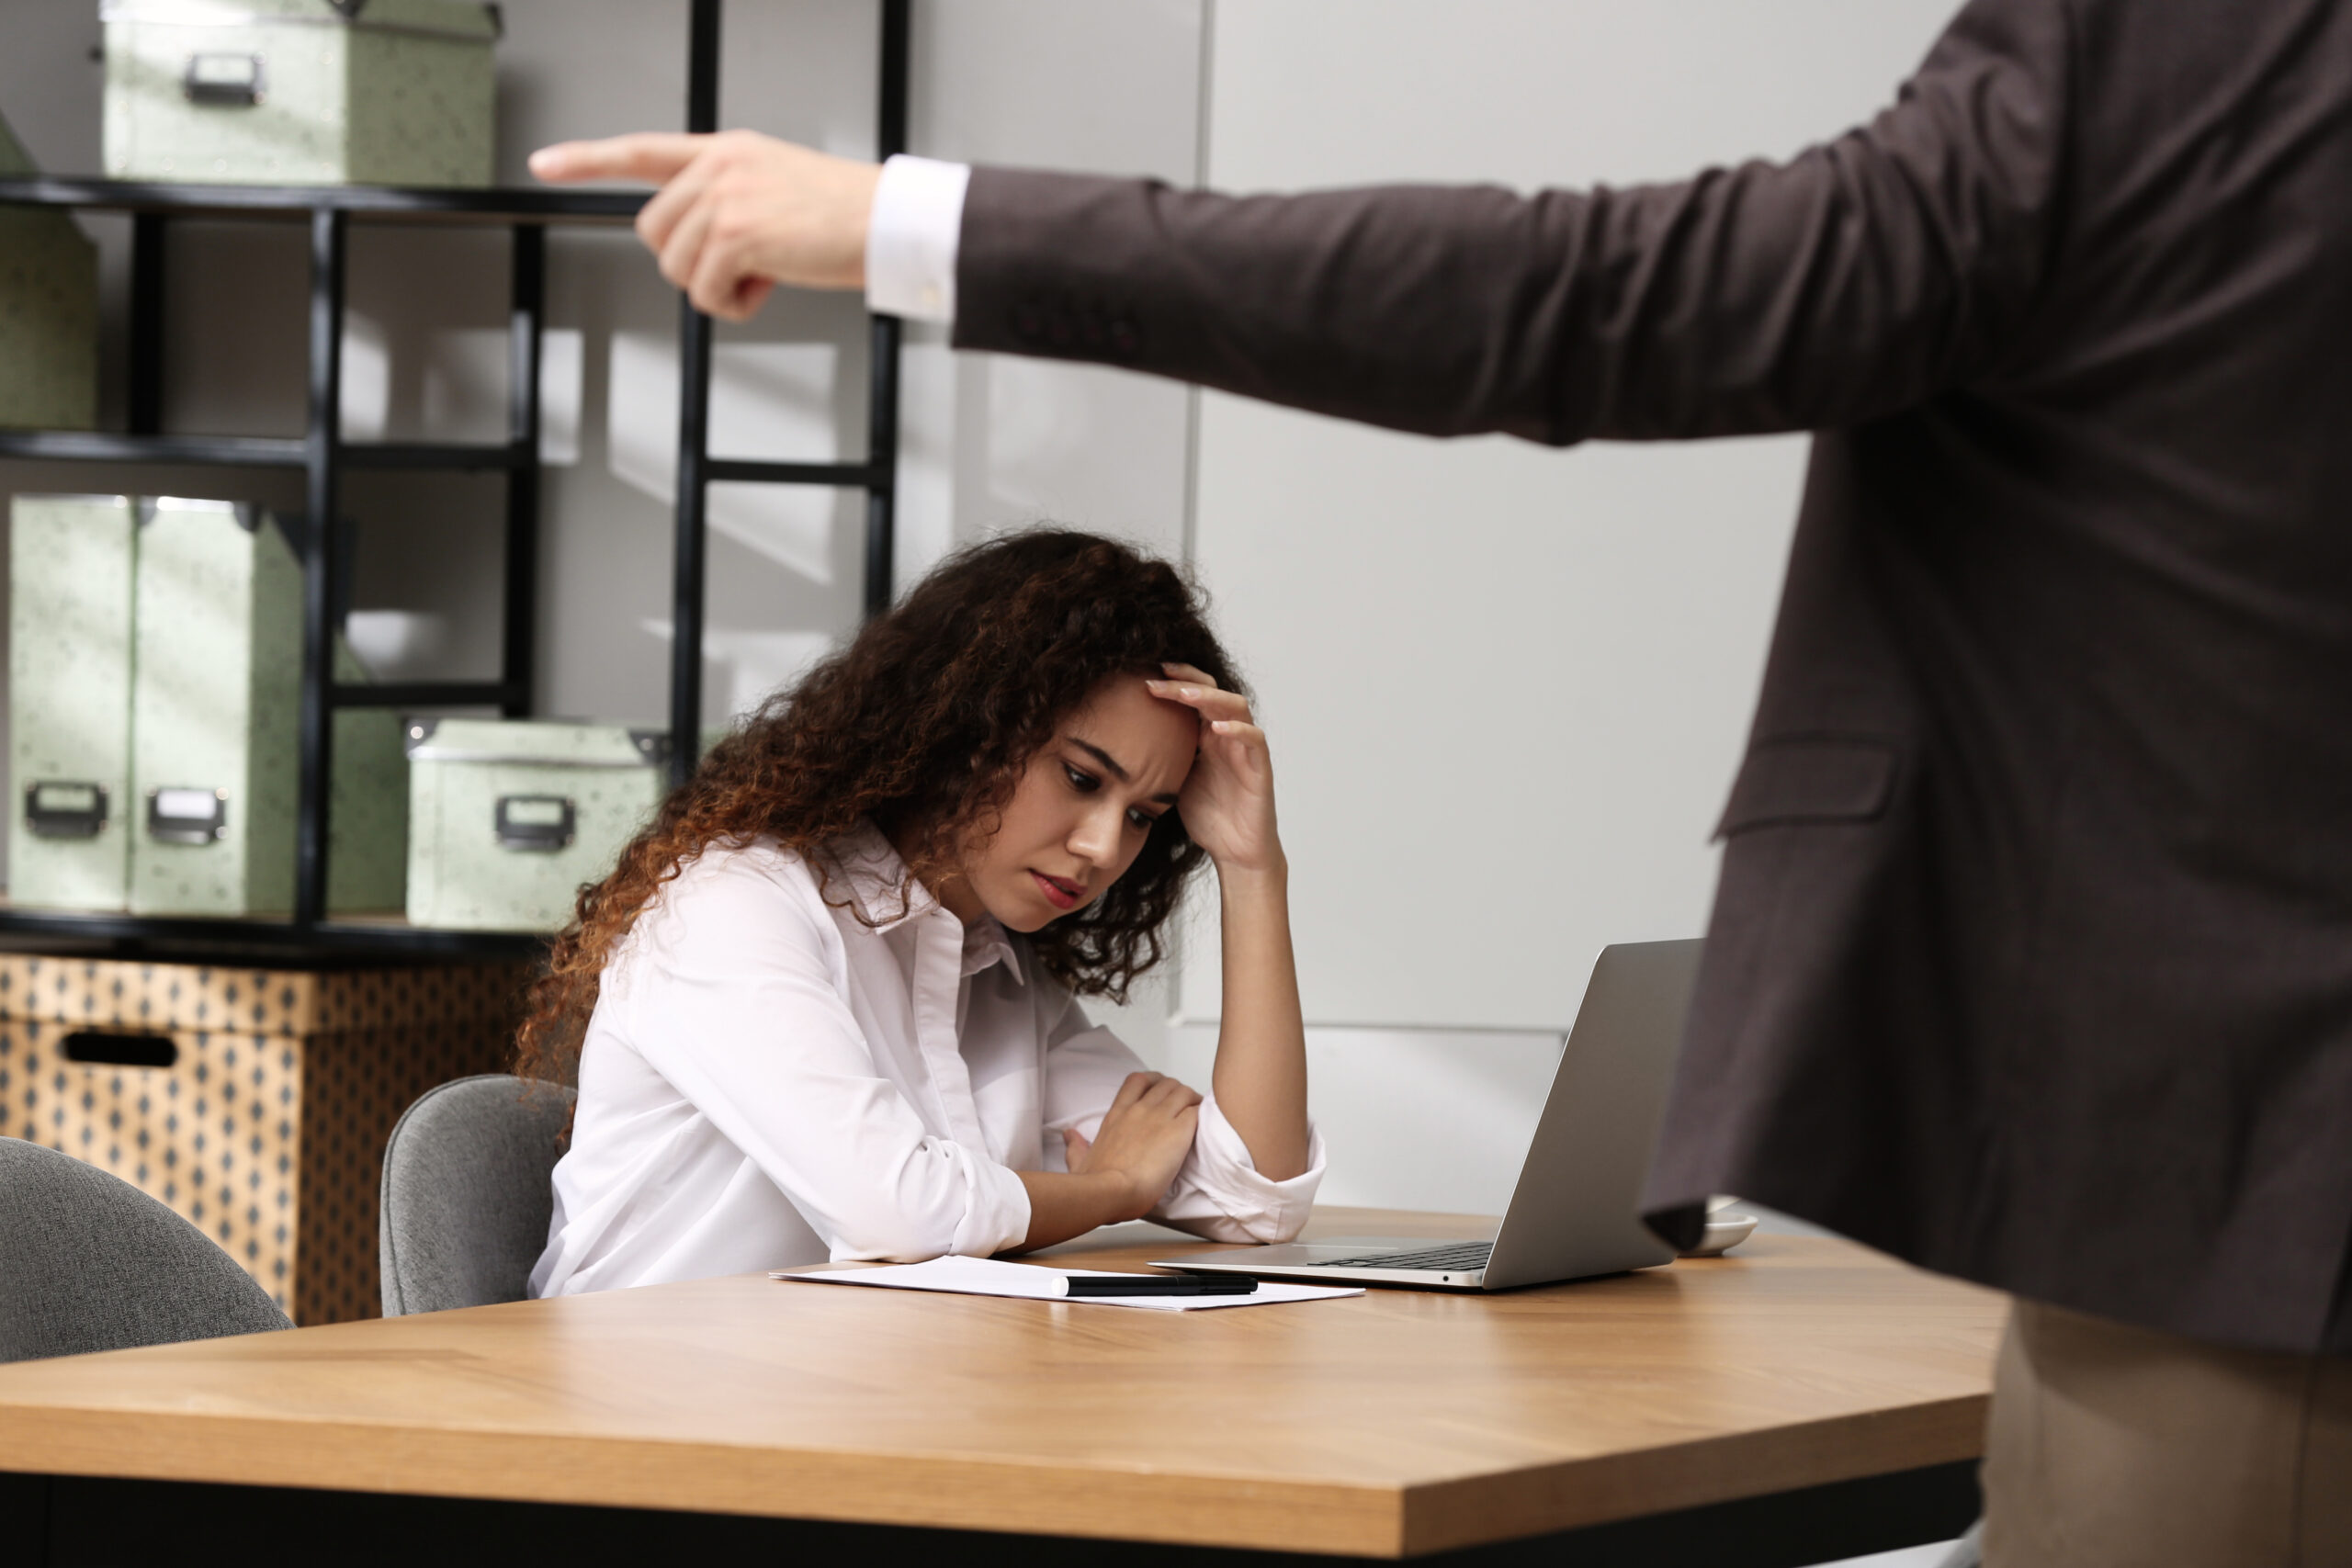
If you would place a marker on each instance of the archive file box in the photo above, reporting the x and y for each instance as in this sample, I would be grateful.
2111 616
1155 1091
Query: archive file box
69 699
509 817
300 91
255 1103
154 670
49 312
215 712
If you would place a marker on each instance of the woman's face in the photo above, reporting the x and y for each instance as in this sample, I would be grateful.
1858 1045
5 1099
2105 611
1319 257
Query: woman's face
1083 809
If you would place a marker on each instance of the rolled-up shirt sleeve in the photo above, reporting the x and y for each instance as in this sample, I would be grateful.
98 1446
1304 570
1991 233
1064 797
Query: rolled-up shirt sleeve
1219 1193
733 998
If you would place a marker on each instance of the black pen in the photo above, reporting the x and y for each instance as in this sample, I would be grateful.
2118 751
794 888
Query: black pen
1159 1285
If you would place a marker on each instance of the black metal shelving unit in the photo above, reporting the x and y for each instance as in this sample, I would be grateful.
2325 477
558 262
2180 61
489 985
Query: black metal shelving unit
310 937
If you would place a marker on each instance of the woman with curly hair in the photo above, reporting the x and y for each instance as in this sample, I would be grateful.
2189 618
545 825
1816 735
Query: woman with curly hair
826 1006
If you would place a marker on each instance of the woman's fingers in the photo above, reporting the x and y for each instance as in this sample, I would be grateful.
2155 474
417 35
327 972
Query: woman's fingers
1136 1087
1207 701
1170 1093
1245 740
1195 687
1074 1150
1151 1095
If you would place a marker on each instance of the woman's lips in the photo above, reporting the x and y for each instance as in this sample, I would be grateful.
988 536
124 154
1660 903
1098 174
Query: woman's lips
1062 895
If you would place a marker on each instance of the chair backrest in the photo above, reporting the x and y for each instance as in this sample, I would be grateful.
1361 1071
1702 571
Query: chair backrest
89 1262
466 1195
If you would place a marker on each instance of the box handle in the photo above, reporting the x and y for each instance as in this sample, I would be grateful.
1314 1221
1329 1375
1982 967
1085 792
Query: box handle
180 815
233 81
66 808
541 822
107 1048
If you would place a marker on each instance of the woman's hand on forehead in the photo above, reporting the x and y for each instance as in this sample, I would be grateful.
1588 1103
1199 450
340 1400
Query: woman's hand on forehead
1227 802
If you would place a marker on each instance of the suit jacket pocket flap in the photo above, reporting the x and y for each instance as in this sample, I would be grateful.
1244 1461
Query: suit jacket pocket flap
1828 778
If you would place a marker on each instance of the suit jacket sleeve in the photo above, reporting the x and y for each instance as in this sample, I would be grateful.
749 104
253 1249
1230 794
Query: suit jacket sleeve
1852 281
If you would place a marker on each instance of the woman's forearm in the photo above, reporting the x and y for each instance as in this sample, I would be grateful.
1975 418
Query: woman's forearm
1063 1206
1261 1074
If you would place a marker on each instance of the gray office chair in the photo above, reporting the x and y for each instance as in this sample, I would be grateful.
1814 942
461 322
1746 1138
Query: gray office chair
89 1262
466 1199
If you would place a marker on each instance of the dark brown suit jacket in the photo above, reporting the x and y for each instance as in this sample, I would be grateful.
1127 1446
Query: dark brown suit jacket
2033 956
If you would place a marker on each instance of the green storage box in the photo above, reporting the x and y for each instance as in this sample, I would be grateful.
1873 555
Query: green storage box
509 817
300 91
69 700
215 708
49 312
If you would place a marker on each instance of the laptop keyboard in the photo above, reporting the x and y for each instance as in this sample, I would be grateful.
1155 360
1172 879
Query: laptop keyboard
1456 1257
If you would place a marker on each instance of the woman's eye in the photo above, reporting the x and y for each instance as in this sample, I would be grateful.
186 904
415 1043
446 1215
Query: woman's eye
1085 784
1143 819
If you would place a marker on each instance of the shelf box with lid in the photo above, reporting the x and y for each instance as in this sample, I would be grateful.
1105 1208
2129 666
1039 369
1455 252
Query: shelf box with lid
508 818
300 91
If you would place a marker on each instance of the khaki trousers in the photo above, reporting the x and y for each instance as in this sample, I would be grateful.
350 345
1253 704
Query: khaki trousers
2116 1446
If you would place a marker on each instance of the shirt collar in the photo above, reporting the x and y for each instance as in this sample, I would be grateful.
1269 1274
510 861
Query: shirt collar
887 897
985 943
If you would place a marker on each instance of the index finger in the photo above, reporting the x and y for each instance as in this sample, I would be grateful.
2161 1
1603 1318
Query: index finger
1133 1088
1190 673
654 155
1174 1089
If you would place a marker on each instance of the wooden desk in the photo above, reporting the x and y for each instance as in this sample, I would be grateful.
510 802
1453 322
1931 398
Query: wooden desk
1399 1423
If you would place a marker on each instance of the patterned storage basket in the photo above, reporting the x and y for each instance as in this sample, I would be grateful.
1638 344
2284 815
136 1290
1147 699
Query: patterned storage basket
254 1101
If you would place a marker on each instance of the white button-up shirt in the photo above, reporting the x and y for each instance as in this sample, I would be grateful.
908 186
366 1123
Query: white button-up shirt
775 1075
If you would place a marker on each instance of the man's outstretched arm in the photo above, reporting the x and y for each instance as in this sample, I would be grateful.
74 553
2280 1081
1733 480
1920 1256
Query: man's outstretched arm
1850 282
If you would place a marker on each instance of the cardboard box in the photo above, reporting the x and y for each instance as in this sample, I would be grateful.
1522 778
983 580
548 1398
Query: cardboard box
70 820
254 1103
300 91
509 817
49 312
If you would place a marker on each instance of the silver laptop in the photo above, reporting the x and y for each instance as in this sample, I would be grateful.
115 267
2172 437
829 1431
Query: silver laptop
1576 1210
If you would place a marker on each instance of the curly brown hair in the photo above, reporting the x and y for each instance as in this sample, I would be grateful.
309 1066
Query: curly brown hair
923 726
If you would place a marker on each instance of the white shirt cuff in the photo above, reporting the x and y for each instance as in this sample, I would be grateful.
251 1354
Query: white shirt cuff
911 238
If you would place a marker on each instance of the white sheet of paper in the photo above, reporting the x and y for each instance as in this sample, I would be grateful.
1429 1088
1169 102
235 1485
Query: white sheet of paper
992 1277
